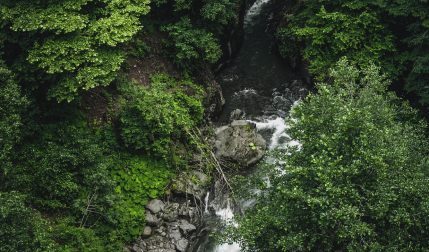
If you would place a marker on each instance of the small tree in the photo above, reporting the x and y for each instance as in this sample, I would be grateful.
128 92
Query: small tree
20 229
358 182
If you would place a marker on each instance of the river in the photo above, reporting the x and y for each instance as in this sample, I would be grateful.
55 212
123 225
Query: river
264 88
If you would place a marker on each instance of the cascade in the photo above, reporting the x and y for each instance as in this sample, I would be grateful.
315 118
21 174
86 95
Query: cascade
259 84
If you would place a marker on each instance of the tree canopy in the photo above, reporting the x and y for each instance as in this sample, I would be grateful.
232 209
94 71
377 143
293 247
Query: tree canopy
392 34
79 39
358 181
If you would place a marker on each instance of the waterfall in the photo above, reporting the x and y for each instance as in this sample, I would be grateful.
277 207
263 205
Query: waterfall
260 85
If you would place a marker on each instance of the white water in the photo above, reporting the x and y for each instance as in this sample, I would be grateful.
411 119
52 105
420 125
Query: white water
226 214
246 86
278 139
206 202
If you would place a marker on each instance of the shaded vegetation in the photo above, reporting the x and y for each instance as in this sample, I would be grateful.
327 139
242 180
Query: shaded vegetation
70 184
357 182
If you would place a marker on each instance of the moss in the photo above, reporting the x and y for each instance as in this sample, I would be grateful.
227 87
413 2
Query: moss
248 128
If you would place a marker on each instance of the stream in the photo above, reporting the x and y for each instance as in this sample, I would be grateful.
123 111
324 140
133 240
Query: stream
264 88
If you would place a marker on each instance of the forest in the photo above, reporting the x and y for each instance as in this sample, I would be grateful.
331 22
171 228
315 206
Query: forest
101 102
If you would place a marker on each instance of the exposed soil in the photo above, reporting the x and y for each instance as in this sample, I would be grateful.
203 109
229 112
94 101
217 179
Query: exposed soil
96 105
154 63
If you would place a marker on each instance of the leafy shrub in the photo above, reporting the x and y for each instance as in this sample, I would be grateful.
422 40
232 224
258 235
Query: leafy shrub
328 31
156 115
190 44
219 10
12 106
140 50
79 239
139 178
20 229
419 75
62 167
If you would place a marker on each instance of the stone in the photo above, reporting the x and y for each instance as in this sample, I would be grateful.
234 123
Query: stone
200 176
182 244
191 184
183 211
160 229
151 220
162 250
147 231
136 248
173 224
171 216
186 227
282 103
175 234
155 205
235 114
240 144
239 123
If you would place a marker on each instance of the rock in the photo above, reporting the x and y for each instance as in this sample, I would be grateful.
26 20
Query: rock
282 103
200 176
147 231
162 250
191 184
175 234
192 212
155 206
235 115
171 216
136 248
183 210
160 229
186 227
182 244
240 144
240 123
151 220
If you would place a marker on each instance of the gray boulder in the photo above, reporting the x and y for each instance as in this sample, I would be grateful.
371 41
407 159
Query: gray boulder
136 248
155 206
151 220
240 144
171 215
147 231
182 244
174 233
235 115
186 227
191 184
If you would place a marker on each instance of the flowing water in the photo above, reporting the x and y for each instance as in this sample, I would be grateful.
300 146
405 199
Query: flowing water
259 84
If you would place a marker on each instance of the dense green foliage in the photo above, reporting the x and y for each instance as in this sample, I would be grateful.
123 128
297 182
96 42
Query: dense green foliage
157 115
393 34
20 229
67 46
190 44
12 105
357 182
78 43
418 79
92 179
139 178
70 184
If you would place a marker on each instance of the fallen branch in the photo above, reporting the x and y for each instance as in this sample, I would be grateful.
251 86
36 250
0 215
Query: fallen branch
217 165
